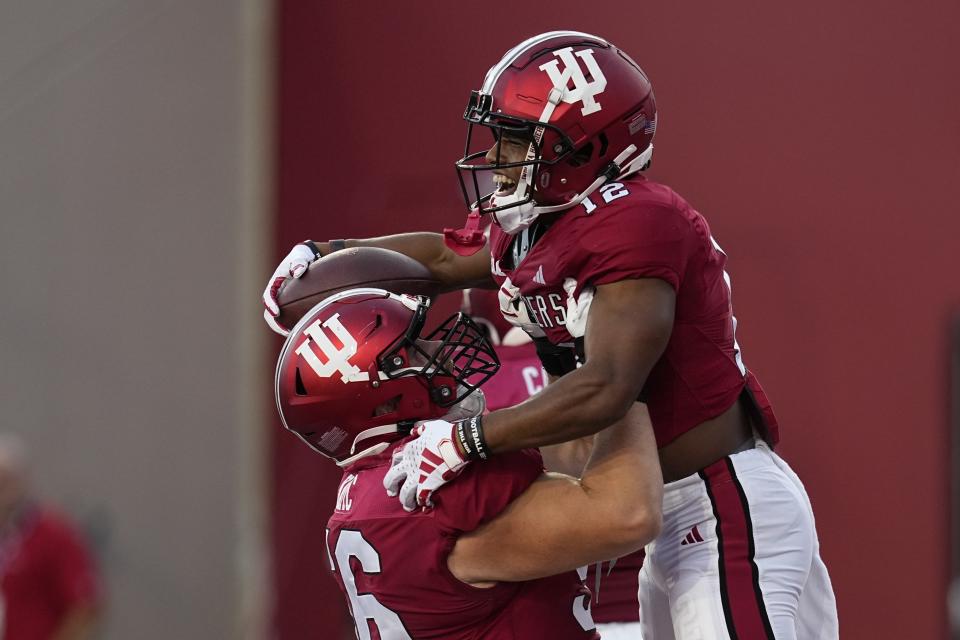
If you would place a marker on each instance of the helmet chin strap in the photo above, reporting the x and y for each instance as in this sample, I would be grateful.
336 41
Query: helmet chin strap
521 216
369 451
472 405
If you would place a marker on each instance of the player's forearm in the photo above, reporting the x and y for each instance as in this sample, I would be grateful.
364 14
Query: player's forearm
429 250
554 526
580 404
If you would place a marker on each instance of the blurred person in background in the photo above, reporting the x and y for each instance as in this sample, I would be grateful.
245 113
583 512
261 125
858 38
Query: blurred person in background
495 555
48 583
521 375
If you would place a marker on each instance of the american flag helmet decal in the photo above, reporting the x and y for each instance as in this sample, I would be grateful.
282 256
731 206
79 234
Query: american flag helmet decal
641 122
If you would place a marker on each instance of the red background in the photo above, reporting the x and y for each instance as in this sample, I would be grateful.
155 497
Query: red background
820 139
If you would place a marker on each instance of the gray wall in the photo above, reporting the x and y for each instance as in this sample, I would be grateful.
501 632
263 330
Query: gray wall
132 199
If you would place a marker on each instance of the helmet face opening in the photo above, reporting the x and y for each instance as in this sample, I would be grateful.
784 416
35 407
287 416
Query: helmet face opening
483 155
458 361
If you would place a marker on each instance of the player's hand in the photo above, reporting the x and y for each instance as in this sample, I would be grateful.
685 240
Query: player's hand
514 309
425 464
577 308
293 266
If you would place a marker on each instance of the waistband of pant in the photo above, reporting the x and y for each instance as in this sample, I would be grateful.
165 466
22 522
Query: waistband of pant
745 461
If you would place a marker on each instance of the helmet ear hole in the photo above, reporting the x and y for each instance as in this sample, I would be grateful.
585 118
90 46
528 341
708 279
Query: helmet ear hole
387 407
581 156
300 389
604 143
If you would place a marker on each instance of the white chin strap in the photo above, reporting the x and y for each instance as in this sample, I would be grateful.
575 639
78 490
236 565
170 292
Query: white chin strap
382 430
518 217
471 406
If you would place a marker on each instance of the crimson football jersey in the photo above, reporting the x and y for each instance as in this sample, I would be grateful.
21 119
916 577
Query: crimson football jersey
520 376
392 565
639 229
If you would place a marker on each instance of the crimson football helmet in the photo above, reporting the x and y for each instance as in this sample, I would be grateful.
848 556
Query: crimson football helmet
355 374
587 110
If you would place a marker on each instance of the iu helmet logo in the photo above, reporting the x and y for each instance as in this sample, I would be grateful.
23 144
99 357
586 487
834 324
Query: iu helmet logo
337 359
583 90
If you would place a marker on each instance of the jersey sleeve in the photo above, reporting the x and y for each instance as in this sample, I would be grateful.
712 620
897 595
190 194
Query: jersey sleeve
645 240
485 489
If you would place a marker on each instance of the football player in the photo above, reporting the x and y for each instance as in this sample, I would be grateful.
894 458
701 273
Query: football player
495 554
625 292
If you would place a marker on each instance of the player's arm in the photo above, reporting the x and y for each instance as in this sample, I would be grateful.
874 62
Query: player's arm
560 523
451 269
628 327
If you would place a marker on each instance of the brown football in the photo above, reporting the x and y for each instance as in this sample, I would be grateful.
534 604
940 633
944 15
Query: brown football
348 269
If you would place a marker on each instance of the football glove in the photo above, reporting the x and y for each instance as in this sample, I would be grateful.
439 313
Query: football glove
293 266
514 309
424 464
578 309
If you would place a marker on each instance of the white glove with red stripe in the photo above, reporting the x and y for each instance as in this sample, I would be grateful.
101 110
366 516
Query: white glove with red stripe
578 309
425 464
293 266
514 309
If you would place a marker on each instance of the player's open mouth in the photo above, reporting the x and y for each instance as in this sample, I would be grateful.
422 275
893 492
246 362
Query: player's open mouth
505 186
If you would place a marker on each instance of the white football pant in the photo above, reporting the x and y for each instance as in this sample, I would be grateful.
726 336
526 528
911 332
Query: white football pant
737 558
620 630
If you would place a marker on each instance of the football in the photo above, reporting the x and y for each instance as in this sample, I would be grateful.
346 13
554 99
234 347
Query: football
349 269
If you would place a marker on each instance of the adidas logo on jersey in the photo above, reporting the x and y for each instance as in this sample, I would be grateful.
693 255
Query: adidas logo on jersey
693 536
539 277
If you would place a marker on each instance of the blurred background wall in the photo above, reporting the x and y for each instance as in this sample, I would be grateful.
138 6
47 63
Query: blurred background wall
157 158
133 160
820 139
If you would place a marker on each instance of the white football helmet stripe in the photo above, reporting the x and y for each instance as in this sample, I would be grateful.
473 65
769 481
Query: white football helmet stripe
493 75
